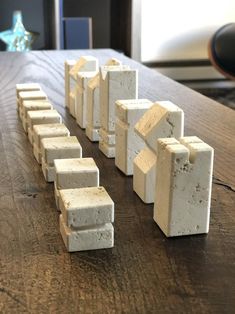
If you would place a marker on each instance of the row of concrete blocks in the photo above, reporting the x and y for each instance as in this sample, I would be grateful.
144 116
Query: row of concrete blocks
136 132
87 211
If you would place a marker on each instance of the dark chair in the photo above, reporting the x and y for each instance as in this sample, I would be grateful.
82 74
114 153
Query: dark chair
222 50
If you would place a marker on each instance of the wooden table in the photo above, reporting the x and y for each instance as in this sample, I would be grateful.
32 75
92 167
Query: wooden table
145 272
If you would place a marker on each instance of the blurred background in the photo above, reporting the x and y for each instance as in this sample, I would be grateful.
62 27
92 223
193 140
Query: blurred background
169 36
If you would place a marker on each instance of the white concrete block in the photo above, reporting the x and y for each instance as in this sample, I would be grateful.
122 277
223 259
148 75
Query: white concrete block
43 117
27 87
48 171
60 148
84 64
76 173
183 186
30 105
128 143
81 97
48 130
72 96
86 207
93 103
93 238
31 95
93 108
116 82
67 68
163 119
144 170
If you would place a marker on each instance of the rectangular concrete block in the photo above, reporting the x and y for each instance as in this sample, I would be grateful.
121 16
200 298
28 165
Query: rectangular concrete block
60 148
76 173
183 186
144 170
128 143
31 95
25 87
93 238
116 82
72 96
86 207
30 105
84 64
81 97
41 131
43 117
93 108
67 68
163 119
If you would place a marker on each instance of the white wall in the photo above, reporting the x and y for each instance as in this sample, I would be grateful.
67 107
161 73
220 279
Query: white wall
180 29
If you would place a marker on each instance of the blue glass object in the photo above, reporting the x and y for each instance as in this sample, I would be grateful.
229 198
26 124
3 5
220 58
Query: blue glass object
17 38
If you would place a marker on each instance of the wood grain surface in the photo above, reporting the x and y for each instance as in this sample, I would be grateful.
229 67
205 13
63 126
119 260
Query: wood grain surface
145 272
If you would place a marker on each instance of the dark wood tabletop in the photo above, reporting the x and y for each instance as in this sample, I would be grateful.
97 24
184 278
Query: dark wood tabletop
145 272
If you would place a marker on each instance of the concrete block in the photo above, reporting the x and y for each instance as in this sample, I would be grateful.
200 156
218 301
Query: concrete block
67 68
144 170
30 105
86 207
31 95
93 108
43 117
93 238
60 148
163 119
93 103
183 186
116 82
81 97
72 96
128 143
84 64
25 87
76 173
48 130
